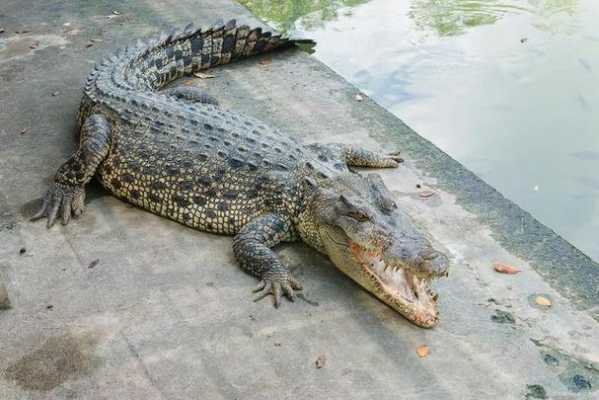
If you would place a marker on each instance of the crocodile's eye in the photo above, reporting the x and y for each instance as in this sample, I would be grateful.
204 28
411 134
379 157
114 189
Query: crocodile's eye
359 216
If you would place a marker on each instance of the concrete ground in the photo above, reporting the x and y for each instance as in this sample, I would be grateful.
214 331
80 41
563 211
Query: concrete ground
123 304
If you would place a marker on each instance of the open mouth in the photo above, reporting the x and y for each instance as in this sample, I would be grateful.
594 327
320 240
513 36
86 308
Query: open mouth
405 291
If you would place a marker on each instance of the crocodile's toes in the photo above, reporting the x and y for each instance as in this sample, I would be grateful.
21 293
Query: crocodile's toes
61 202
277 288
394 156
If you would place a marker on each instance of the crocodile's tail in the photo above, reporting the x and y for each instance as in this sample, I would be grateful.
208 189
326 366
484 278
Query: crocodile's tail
152 64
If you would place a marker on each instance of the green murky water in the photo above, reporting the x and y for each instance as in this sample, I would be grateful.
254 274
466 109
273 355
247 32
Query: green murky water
508 88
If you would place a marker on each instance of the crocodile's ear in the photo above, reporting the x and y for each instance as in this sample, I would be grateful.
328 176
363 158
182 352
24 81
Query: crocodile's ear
310 183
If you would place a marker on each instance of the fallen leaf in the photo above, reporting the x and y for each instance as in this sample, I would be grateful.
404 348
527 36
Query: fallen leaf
89 44
320 361
265 61
204 76
422 351
93 263
505 268
543 301
359 97
425 194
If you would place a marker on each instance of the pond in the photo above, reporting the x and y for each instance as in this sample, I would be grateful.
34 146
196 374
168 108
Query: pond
508 88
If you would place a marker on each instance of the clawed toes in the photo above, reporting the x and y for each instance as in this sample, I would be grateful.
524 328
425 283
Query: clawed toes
277 289
61 202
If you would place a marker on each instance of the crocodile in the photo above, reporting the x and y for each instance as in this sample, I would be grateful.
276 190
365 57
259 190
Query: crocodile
174 151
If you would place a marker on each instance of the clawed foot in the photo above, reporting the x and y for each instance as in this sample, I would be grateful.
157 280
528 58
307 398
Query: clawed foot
277 285
64 200
394 158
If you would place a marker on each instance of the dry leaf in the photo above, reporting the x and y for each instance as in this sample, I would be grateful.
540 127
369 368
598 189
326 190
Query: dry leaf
359 97
505 268
204 76
320 361
543 301
422 351
265 61
425 194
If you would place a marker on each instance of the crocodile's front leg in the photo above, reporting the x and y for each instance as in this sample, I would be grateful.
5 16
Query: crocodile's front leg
252 248
66 196
360 157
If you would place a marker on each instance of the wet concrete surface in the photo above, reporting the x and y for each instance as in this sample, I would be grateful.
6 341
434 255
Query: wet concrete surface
125 304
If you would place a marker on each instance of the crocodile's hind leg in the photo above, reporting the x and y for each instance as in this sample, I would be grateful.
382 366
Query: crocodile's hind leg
252 248
66 196
192 94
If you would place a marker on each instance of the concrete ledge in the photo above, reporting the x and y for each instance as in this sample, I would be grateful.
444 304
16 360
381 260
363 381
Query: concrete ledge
166 314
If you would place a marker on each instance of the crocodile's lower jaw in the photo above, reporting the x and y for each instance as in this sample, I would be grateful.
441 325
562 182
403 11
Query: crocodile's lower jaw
397 287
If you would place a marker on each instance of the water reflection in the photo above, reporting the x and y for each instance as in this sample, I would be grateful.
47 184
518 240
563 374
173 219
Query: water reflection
283 14
508 88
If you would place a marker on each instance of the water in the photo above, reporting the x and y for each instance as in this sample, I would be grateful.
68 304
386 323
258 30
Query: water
508 88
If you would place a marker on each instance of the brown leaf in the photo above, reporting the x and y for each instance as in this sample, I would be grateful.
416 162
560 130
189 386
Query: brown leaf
505 268
204 76
422 351
265 61
543 301
320 361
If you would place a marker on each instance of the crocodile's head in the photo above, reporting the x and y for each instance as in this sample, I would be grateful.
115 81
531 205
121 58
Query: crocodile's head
355 221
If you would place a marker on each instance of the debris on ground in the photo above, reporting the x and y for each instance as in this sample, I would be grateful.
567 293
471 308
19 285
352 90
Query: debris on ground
93 263
505 268
543 301
425 194
89 44
203 75
359 97
4 300
320 361
422 351
54 94
24 131
49 307
580 383
116 12
34 45
265 61
1 30
22 250
524 40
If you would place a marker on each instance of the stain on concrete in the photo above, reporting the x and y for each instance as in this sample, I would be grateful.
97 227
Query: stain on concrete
503 317
59 359
19 46
576 374
4 299
535 392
